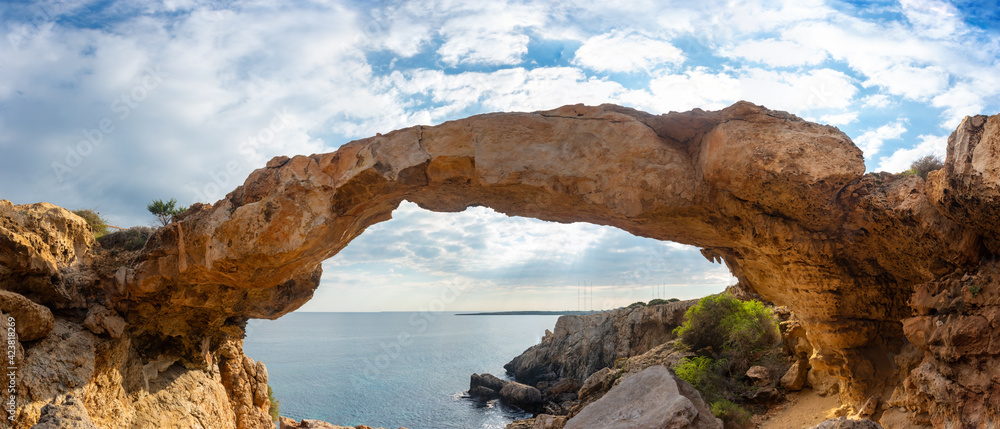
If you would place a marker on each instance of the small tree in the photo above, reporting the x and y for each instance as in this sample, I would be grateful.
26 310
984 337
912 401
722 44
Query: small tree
926 165
165 211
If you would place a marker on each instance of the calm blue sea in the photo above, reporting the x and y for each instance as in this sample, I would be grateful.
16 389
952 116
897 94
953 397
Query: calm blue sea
390 369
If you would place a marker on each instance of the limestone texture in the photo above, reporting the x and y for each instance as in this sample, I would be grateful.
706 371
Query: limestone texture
893 277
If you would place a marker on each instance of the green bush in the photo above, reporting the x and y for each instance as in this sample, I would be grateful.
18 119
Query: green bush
673 300
926 165
733 416
127 239
637 304
706 375
274 404
94 219
738 332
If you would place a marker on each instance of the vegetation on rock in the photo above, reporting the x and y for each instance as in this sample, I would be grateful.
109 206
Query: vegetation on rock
925 165
274 403
127 239
94 219
729 336
165 210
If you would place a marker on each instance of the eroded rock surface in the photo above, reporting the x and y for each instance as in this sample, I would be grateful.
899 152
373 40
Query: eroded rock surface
783 202
581 345
653 398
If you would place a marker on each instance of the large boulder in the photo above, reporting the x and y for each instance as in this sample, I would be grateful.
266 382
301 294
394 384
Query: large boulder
652 399
521 395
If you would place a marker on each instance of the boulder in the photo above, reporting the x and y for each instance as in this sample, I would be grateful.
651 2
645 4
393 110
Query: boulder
598 383
32 321
796 376
521 395
652 399
760 375
488 381
548 421
65 412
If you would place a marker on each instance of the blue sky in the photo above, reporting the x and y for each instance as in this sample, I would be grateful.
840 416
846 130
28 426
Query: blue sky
109 104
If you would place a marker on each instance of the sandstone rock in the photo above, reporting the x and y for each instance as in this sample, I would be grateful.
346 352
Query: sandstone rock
32 321
546 421
522 424
521 395
760 375
878 266
100 320
40 246
599 381
66 412
843 423
654 398
795 378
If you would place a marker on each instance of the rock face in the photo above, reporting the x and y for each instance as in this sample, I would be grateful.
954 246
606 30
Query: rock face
652 399
873 264
581 345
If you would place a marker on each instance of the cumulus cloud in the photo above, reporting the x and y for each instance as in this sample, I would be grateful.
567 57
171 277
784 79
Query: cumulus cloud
901 159
871 141
626 52
775 53
840 118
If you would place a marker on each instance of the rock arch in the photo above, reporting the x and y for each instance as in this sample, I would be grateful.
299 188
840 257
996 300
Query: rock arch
784 202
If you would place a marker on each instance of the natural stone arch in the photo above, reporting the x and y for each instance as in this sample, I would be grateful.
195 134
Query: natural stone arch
782 201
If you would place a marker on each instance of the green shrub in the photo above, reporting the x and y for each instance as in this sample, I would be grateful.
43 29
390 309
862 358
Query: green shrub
726 328
274 404
127 239
637 304
673 300
926 165
733 416
706 375
94 219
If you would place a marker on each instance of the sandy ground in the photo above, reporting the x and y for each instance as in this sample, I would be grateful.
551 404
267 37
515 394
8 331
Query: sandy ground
803 409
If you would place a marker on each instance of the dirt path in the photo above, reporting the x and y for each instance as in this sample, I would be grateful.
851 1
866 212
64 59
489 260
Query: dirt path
804 409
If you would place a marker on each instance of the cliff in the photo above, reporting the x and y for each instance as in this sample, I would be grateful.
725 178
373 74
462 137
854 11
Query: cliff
581 345
892 276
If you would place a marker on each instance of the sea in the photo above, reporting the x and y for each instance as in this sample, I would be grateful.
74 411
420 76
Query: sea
391 369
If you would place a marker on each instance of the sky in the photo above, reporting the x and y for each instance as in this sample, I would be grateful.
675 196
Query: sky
110 104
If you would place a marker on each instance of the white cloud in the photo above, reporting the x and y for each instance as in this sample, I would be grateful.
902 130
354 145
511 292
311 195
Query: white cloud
877 101
933 18
515 89
839 118
901 159
490 33
871 140
791 91
775 53
626 52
